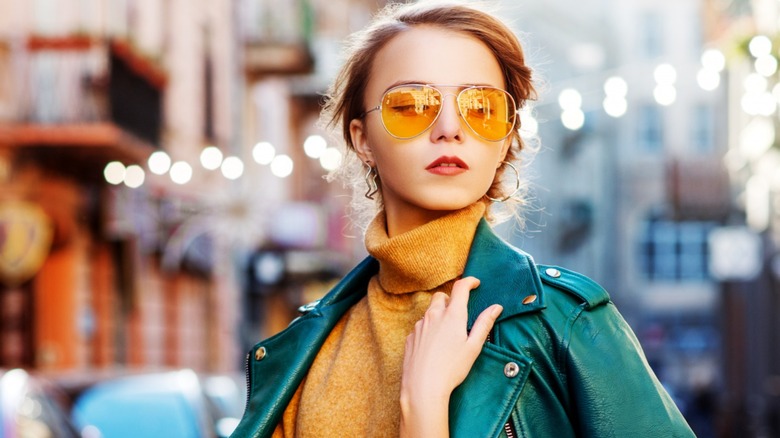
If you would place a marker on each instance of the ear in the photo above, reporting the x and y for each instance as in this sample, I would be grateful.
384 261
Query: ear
357 132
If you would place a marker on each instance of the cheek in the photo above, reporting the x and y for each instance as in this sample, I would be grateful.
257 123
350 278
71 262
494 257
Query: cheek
495 160
385 150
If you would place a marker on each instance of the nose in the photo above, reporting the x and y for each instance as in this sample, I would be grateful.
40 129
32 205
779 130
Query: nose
448 126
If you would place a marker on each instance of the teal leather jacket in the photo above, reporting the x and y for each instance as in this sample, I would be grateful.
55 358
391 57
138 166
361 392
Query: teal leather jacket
561 361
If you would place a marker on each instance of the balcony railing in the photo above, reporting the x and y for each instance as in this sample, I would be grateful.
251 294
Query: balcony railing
275 22
276 36
77 81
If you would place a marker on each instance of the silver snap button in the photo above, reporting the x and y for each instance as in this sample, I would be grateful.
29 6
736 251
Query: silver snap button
260 353
552 272
511 369
308 307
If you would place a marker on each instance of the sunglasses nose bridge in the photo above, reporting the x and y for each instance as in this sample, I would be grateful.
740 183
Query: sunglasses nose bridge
448 110
455 97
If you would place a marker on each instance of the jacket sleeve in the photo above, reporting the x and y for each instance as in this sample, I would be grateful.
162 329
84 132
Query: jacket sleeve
614 392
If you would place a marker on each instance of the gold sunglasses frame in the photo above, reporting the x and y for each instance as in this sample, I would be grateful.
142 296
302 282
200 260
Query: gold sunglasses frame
443 95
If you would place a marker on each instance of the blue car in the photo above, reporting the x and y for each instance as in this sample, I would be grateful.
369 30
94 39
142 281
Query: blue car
173 404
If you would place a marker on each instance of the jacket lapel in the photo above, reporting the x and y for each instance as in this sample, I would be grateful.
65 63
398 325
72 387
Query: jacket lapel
276 366
507 276
482 404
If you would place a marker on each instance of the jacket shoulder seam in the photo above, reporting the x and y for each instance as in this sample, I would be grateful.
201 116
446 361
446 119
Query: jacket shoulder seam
574 283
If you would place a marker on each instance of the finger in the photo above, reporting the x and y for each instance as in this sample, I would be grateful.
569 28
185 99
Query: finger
408 348
459 297
414 335
438 301
483 325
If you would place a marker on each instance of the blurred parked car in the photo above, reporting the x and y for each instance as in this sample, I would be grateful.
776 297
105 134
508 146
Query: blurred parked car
170 404
226 396
29 409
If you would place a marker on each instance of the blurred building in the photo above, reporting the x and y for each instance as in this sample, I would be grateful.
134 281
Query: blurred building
629 179
161 193
309 241
749 250
82 84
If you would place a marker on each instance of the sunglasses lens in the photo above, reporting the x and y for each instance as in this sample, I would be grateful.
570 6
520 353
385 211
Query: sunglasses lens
490 112
407 111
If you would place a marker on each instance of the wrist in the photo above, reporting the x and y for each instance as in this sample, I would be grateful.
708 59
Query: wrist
424 399
424 414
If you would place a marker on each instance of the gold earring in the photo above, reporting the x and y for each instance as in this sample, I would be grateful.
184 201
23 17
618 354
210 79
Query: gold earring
517 186
371 176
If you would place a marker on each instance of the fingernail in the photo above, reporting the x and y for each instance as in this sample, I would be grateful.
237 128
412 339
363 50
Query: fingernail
497 309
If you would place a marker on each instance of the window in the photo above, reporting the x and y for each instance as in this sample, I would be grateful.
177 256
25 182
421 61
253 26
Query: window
675 251
702 128
208 97
651 34
650 128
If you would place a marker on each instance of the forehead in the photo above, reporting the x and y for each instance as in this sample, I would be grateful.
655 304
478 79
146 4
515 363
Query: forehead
430 54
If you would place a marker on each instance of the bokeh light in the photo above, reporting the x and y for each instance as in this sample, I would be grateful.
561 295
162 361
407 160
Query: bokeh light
570 99
263 153
760 45
282 166
232 168
665 74
615 106
665 94
211 158
573 119
708 79
159 163
615 86
330 159
713 59
314 146
134 176
181 172
114 172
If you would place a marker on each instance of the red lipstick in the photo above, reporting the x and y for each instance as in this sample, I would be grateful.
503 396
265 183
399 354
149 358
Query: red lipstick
445 165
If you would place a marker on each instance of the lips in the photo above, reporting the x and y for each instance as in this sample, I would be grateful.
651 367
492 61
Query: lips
445 161
447 166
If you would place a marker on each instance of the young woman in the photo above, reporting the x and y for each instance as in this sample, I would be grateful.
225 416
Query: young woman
446 330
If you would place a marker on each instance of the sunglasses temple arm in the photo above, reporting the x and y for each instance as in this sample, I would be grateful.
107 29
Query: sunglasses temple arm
365 113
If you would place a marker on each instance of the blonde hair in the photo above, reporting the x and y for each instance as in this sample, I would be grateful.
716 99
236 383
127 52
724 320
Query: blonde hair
345 97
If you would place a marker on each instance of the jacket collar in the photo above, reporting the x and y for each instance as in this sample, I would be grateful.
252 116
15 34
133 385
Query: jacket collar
508 276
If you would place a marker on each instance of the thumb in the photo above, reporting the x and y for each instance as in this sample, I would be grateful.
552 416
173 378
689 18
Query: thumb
483 324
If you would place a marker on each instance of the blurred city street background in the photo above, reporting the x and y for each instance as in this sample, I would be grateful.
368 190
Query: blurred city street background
163 208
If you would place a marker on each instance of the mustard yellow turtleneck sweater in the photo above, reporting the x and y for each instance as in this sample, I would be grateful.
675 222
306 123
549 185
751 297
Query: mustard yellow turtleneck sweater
353 386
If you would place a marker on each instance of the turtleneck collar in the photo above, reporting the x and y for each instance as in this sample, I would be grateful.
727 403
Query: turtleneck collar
427 256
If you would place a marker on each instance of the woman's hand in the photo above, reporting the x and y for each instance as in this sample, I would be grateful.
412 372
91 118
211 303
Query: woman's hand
439 354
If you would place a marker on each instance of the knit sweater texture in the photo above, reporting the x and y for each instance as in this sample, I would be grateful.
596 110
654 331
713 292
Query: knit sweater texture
353 387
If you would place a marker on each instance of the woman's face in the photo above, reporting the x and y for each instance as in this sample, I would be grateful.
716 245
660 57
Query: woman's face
413 184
